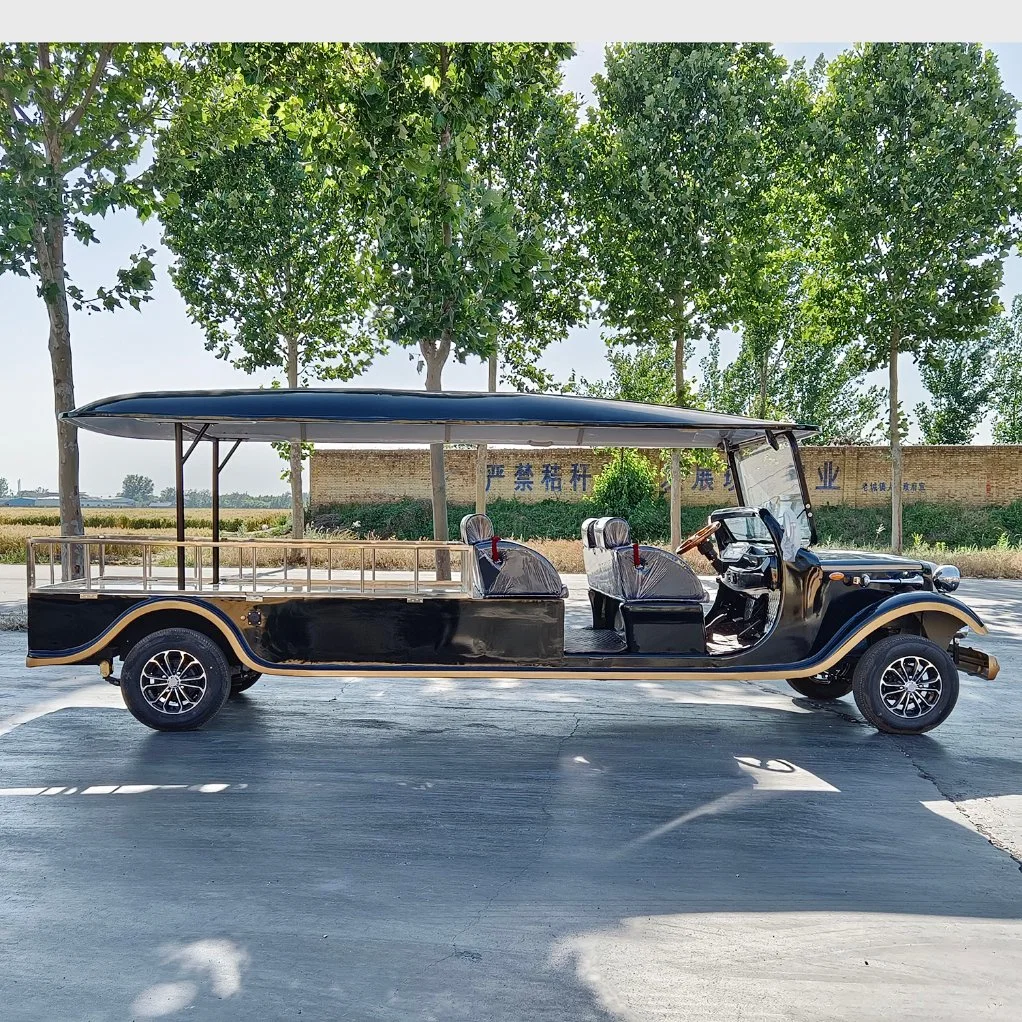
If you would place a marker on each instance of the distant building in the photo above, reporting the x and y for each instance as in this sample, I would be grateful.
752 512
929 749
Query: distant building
36 498
20 501
106 501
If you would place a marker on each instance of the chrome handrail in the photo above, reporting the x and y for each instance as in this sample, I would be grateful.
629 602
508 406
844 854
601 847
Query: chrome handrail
248 575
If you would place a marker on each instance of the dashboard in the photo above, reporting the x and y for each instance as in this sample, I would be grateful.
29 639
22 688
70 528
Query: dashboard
749 568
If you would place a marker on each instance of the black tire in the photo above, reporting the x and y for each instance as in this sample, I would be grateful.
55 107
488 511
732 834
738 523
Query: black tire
905 685
827 685
197 673
244 680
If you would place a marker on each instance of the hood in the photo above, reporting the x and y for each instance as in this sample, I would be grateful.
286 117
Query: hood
872 560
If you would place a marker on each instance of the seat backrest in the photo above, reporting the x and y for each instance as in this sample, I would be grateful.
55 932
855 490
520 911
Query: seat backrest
612 533
476 528
589 543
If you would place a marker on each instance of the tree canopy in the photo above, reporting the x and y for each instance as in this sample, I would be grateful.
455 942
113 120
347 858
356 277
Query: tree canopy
959 382
677 159
138 488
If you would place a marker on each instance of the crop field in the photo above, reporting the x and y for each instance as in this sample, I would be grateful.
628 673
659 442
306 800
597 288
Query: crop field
18 524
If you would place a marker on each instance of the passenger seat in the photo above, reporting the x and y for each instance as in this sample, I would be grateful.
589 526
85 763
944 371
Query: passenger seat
631 572
505 568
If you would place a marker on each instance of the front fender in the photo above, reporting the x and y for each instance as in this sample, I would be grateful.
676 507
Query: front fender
938 617
925 604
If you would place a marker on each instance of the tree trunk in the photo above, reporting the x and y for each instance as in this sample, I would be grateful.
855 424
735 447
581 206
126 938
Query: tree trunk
295 451
896 474
481 449
437 477
679 398
49 246
763 366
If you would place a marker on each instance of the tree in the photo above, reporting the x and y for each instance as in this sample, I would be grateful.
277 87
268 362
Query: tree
1006 337
271 259
273 267
645 375
533 155
919 170
958 377
462 261
137 488
678 158
5 489
73 120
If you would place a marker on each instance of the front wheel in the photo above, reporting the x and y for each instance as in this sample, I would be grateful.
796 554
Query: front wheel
175 679
826 685
905 685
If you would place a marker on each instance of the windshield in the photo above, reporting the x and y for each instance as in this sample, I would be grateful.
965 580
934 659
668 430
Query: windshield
770 479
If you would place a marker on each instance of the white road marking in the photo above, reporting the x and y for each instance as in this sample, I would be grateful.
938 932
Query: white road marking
205 788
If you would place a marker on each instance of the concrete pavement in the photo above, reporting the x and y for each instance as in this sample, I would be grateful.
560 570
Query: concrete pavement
498 849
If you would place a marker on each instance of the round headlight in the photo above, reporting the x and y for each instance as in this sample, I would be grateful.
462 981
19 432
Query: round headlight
946 578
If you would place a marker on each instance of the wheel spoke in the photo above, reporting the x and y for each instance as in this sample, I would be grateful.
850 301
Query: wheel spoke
910 686
173 681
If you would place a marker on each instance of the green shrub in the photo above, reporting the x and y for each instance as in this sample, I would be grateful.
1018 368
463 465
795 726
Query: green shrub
626 482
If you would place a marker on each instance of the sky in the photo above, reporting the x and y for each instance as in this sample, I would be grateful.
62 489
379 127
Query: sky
159 349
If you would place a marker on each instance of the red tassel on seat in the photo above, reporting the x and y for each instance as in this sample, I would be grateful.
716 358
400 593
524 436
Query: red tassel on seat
635 555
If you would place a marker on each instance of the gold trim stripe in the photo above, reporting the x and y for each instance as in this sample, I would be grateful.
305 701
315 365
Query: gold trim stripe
499 671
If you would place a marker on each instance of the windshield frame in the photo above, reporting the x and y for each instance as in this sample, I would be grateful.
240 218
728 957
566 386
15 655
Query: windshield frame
774 440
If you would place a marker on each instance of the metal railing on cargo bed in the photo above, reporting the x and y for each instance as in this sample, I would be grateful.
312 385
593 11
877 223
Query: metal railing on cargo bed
118 564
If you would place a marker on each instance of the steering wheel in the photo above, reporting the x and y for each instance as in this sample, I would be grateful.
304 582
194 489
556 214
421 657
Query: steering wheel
698 537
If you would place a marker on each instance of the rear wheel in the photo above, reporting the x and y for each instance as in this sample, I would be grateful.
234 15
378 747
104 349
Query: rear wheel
175 679
905 685
243 680
825 685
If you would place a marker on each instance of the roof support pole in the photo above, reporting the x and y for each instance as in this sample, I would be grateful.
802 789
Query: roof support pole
481 449
675 499
215 491
179 485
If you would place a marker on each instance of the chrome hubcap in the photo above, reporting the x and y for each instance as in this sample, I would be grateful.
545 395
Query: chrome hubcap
910 686
173 681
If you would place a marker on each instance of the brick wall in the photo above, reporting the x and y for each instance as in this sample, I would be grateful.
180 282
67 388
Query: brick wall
857 476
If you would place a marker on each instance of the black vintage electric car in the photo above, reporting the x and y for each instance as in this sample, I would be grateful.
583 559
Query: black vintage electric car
193 620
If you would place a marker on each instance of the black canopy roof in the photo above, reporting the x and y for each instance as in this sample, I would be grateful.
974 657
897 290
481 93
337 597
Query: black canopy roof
415 417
